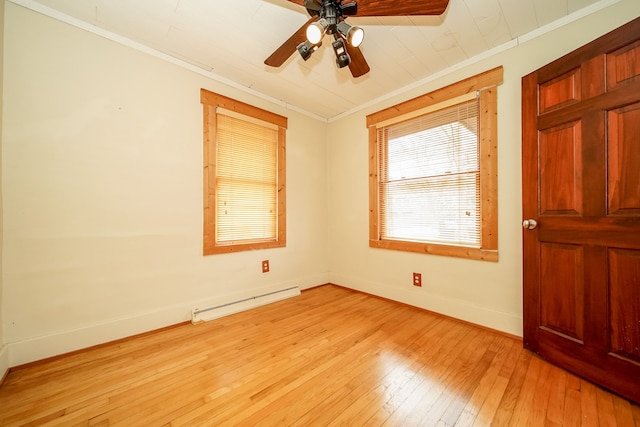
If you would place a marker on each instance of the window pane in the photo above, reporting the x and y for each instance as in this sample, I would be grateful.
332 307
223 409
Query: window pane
246 181
429 178
438 209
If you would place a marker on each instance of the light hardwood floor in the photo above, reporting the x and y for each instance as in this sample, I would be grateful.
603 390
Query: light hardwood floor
328 357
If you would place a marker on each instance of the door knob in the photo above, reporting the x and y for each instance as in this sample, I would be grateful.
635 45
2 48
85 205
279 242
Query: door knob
529 224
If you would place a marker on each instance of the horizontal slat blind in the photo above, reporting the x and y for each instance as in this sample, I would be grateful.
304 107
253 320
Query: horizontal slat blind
429 177
246 180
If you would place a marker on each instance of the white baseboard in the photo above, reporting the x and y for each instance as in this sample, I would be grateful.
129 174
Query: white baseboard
308 282
30 350
208 313
39 348
4 361
505 322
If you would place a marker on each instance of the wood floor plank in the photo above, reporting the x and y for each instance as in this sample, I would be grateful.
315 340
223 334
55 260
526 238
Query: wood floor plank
331 356
244 396
524 405
392 388
589 404
396 355
572 416
490 406
507 405
398 407
486 383
606 413
435 398
539 405
624 414
389 352
557 396
462 377
426 389
349 347
635 409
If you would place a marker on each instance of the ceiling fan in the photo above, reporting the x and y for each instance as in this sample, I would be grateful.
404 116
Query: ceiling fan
329 17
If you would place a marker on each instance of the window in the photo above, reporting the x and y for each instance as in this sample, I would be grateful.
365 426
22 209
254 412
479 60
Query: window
244 176
433 172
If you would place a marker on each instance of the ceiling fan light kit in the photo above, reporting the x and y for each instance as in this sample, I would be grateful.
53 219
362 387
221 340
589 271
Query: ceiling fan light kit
331 21
354 35
316 30
328 17
342 31
305 49
342 57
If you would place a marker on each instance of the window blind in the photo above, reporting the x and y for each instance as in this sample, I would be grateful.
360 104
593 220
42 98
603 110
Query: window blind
246 179
430 177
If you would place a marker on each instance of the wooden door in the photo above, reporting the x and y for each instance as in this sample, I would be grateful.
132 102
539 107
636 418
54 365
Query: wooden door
581 184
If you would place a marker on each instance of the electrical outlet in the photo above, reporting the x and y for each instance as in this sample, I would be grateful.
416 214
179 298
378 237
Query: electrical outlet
265 266
417 279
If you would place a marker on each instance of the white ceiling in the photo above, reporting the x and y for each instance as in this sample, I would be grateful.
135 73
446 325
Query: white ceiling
230 39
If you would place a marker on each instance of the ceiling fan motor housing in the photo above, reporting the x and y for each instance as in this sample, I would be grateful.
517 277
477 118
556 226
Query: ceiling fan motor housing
330 12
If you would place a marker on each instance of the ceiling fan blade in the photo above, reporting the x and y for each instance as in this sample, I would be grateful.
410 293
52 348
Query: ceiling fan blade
281 54
358 65
400 8
309 4
312 5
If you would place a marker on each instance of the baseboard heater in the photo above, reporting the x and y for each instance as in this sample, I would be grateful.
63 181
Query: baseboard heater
209 313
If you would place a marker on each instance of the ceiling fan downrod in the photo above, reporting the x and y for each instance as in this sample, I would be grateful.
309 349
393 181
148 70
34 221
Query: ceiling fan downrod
330 13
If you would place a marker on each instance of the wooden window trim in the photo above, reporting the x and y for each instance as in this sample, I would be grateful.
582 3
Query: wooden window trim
211 101
484 83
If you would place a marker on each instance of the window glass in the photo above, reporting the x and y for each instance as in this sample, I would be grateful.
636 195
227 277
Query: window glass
430 174
433 180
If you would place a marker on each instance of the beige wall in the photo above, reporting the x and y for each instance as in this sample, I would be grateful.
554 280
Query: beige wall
4 354
103 193
102 220
481 292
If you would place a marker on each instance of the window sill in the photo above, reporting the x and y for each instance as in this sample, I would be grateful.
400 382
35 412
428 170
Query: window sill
227 249
433 249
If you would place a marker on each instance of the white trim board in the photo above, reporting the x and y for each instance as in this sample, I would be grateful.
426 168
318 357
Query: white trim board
39 348
4 362
500 321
